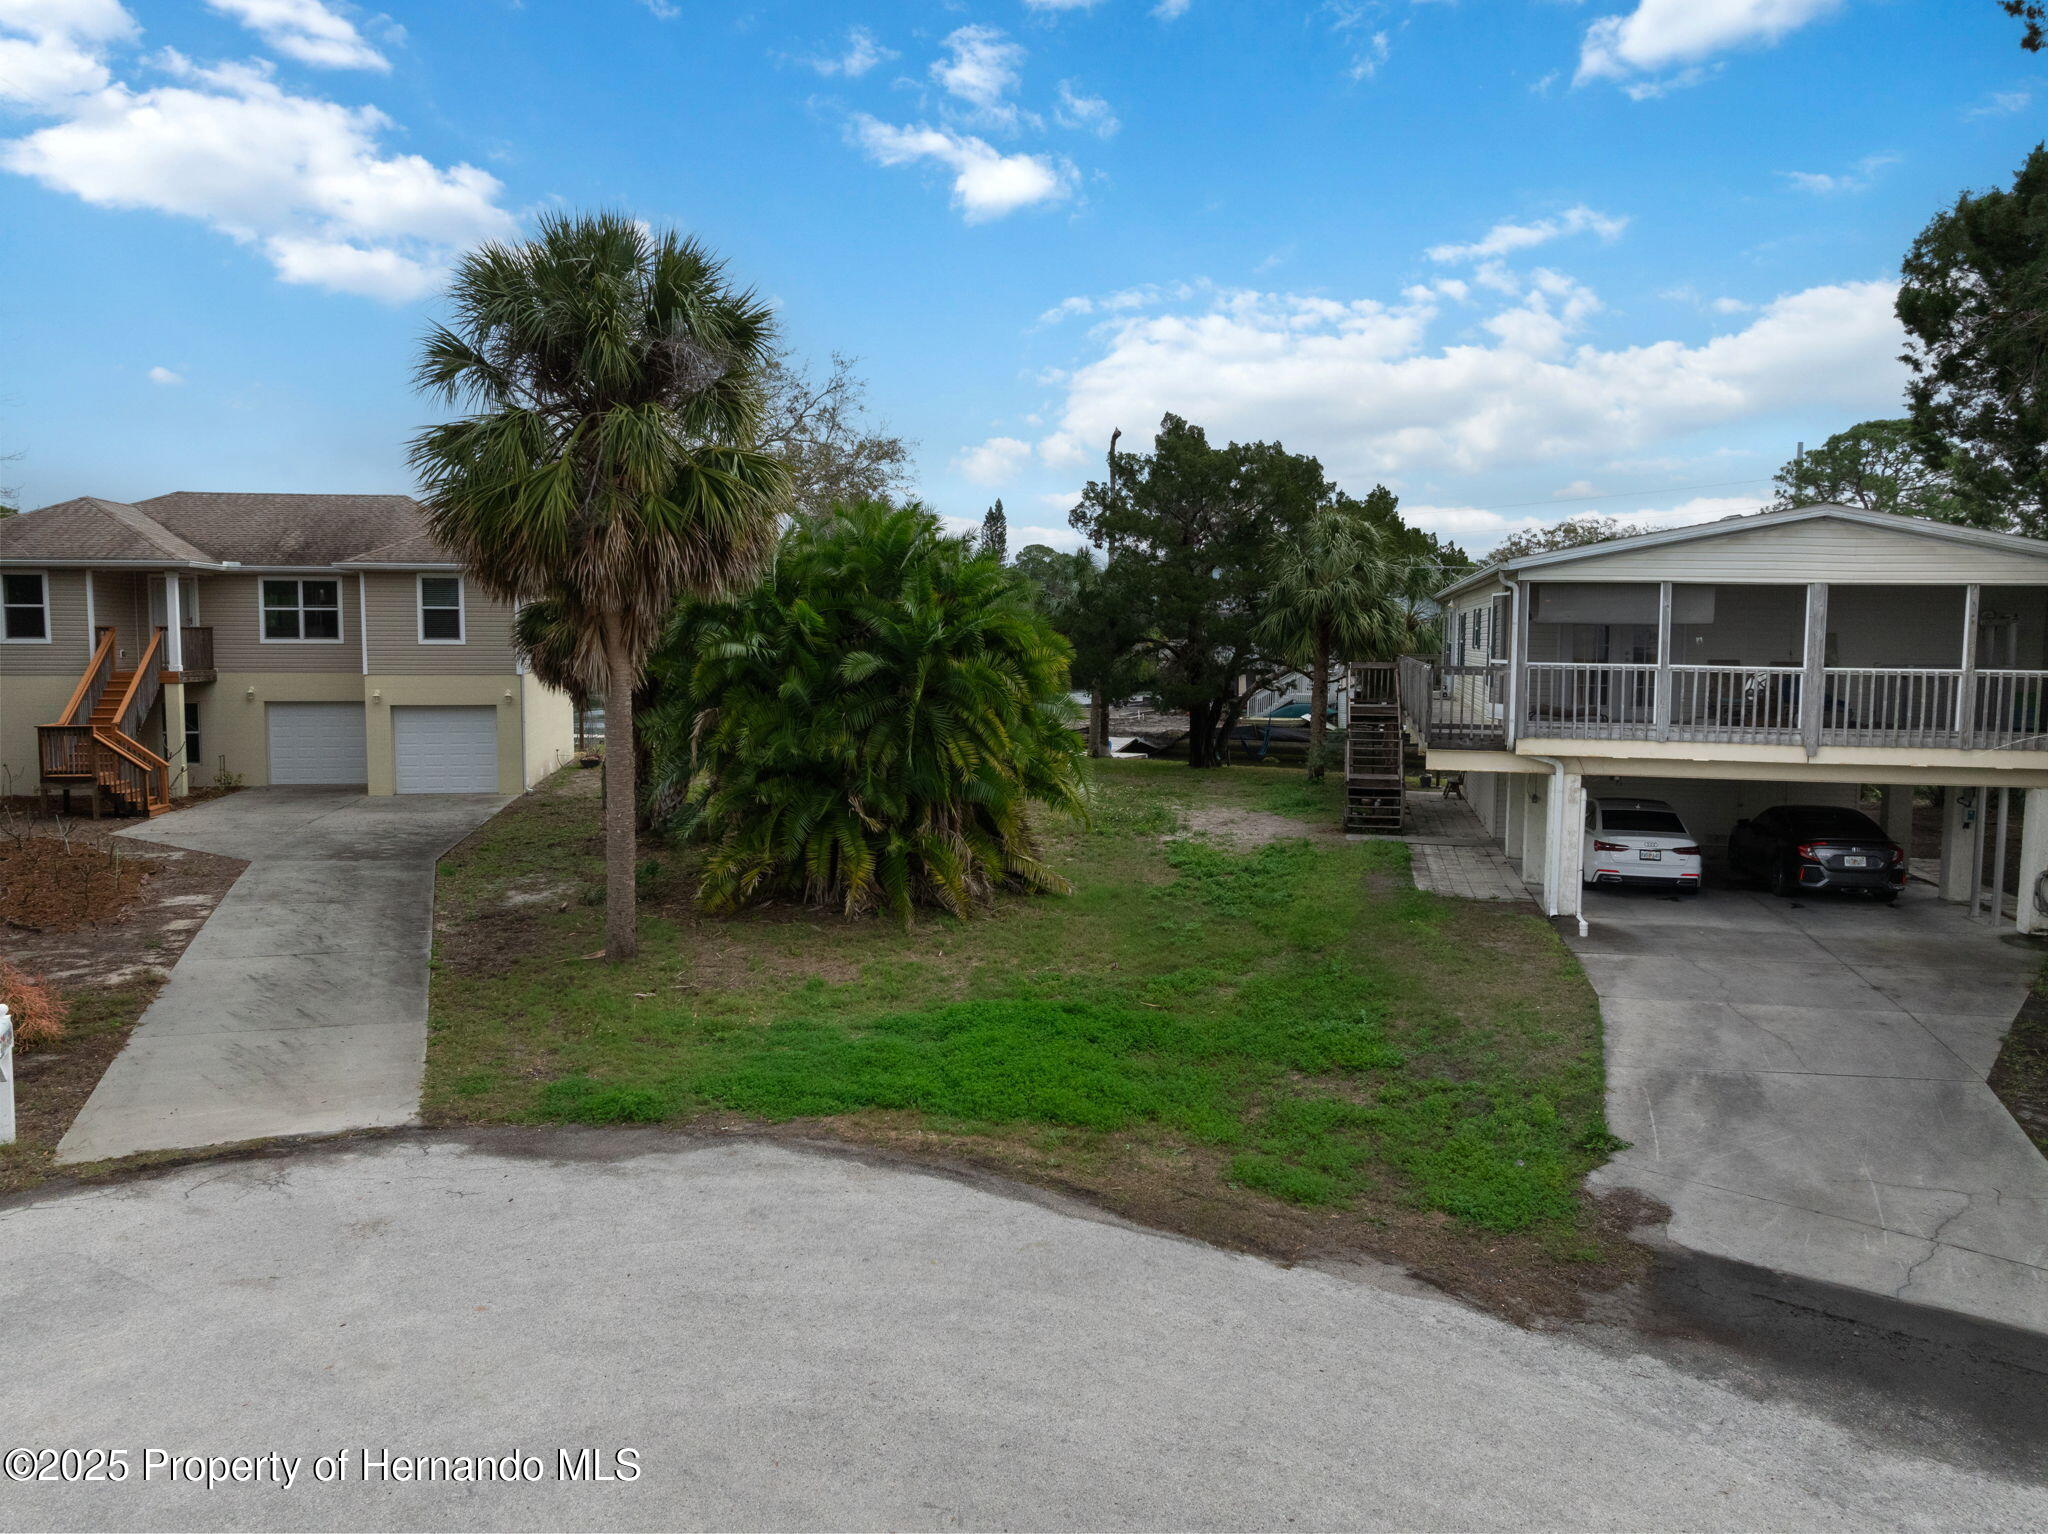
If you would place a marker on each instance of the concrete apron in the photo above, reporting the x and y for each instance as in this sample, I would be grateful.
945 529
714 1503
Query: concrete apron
1803 1083
301 1006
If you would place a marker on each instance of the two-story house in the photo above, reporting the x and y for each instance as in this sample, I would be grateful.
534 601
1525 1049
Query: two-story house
146 649
1787 657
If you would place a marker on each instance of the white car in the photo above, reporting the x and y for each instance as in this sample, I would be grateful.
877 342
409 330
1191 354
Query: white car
1639 841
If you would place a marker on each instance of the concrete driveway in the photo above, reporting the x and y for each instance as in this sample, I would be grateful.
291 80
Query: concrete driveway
301 1006
796 1340
1803 1083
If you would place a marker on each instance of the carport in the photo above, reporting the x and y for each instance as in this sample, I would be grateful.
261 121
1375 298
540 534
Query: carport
1528 811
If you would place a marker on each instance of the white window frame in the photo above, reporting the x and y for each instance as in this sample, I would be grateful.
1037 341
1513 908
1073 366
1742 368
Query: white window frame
48 637
262 628
419 606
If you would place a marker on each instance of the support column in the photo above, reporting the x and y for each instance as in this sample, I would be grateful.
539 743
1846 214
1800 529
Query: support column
1813 684
1514 794
1535 827
2033 859
1958 821
174 739
1895 814
174 692
1565 852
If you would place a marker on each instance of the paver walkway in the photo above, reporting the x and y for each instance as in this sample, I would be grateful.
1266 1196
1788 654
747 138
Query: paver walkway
301 1006
1453 855
1803 1083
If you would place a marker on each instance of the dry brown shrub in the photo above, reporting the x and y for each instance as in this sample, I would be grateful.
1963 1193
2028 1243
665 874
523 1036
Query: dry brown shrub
37 1009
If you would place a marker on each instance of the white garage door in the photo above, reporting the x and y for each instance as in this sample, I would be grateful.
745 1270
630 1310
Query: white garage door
317 743
445 750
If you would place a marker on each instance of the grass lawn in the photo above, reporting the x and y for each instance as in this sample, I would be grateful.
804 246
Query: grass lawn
1239 1025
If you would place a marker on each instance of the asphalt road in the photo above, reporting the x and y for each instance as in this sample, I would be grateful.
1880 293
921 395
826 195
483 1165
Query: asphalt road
798 1339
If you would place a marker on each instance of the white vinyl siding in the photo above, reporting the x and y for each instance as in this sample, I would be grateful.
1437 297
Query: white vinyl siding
392 627
445 750
317 743
1846 553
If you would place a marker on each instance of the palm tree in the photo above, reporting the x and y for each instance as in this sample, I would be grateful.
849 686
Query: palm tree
1336 592
612 373
872 725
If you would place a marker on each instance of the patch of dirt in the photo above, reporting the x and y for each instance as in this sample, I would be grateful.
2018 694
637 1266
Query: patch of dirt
2020 1078
51 883
1243 829
108 970
1183 1190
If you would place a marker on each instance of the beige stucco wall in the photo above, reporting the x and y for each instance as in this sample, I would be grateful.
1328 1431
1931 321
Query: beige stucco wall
549 720
385 693
25 702
231 721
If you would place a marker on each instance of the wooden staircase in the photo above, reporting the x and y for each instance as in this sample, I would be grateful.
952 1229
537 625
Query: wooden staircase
93 745
1375 770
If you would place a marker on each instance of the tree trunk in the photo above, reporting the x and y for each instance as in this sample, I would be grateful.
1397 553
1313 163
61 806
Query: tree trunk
1098 722
1318 705
621 805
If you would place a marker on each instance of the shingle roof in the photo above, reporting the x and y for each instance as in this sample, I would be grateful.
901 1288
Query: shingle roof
90 528
418 549
208 527
287 529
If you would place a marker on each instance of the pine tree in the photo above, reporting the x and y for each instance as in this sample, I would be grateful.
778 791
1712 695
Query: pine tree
995 532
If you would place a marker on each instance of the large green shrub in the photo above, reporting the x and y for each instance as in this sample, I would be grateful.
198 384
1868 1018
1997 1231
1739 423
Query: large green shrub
870 727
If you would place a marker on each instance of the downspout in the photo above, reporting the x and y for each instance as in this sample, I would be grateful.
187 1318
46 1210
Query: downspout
1557 829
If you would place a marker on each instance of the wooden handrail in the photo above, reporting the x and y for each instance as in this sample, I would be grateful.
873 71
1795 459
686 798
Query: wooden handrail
131 748
143 676
102 658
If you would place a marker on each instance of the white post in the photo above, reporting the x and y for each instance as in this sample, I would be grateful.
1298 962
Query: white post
1959 808
174 626
2033 859
6 1075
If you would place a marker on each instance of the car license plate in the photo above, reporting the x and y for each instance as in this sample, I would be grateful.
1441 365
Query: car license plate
1651 855
1855 862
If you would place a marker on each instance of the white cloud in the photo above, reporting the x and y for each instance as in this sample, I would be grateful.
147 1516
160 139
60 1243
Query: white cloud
1166 10
862 53
1370 49
986 182
1505 239
1088 113
981 67
2001 104
1066 5
1367 387
1477 530
995 461
1682 35
162 375
306 181
1860 179
52 51
306 30
1143 296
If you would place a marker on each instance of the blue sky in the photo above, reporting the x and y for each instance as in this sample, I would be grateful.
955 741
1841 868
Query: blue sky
1517 259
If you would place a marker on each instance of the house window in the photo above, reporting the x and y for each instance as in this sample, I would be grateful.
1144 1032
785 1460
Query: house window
193 754
440 609
25 614
307 612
